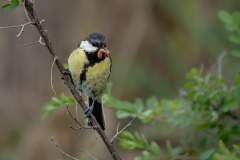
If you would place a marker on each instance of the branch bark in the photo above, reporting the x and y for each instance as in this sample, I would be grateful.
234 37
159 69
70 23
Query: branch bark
33 17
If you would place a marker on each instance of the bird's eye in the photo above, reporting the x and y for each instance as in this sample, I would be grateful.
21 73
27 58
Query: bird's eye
104 45
94 44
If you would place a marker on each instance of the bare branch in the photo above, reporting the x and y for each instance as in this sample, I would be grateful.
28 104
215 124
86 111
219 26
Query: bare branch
62 150
122 129
39 41
88 154
23 25
80 126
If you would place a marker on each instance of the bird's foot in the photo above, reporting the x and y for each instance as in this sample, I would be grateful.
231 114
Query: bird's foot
88 112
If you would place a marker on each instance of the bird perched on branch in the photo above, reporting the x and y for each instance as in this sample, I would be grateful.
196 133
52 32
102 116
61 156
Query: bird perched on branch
90 67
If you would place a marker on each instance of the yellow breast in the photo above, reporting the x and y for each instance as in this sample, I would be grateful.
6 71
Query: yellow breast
76 63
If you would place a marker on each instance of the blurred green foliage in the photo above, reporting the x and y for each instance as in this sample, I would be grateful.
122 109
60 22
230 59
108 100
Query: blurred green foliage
232 24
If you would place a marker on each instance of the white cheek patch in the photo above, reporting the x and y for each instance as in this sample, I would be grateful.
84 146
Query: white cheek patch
86 46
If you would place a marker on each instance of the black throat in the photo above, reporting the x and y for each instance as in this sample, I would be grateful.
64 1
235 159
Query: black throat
93 59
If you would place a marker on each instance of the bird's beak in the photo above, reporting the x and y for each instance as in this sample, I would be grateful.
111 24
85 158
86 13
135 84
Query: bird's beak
103 51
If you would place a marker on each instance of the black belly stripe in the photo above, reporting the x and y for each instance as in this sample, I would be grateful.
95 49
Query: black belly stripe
83 74
93 59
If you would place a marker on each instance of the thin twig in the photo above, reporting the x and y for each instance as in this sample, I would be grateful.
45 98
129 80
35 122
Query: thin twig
51 77
88 154
80 133
219 65
181 156
62 150
80 126
23 25
122 129
68 112
39 41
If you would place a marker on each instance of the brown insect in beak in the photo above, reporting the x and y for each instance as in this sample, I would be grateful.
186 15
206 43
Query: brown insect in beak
101 52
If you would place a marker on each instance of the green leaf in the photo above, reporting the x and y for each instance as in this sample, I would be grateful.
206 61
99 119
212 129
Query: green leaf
156 149
222 148
192 94
230 106
231 27
192 73
65 65
169 147
6 5
46 115
190 85
147 155
236 17
237 80
131 142
234 39
203 143
123 114
235 130
207 154
201 99
237 148
152 103
12 8
225 16
183 140
177 150
138 158
109 88
139 105
56 103
15 2
235 53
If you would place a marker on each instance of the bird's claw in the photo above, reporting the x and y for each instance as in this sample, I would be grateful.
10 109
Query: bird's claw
88 112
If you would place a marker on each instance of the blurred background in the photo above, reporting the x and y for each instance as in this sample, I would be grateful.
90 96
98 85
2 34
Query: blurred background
152 43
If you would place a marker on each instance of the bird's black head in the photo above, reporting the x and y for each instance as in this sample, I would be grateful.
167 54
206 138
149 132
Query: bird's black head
95 44
97 39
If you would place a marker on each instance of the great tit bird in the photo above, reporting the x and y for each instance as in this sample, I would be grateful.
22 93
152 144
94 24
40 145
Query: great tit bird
90 67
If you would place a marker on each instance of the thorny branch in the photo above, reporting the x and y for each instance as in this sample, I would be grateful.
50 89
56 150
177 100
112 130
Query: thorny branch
122 129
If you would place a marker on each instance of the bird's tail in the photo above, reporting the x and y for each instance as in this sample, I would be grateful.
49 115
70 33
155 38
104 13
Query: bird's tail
97 112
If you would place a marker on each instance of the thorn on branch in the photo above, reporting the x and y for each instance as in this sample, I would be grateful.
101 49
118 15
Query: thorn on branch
22 27
115 137
88 154
62 150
